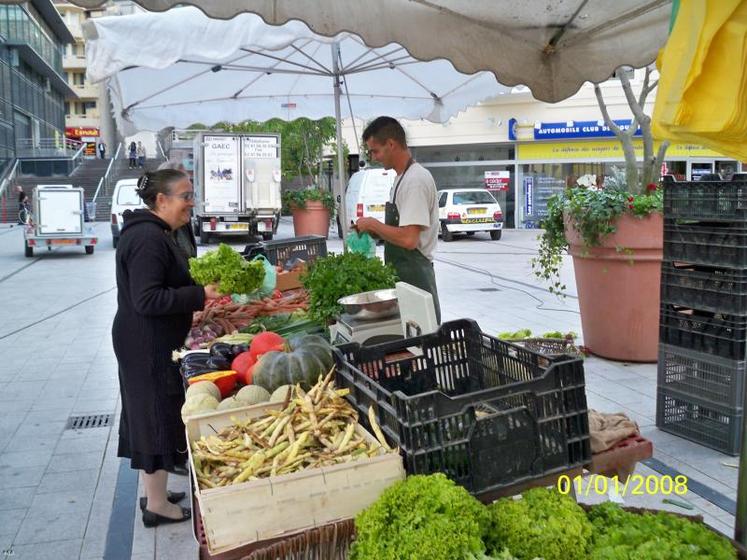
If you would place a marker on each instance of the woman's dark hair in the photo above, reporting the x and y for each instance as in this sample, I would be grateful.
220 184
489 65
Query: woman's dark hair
154 182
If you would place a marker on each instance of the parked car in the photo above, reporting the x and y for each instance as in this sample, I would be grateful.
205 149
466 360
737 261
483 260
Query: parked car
124 198
367 194
468 211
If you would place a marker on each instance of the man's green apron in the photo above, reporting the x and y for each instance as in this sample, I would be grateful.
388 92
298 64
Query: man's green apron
411 265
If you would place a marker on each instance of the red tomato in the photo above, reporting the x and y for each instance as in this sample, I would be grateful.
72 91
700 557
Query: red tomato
277 294
266 342
242 363
247 377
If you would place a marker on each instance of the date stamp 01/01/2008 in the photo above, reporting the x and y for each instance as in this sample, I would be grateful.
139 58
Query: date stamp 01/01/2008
635 485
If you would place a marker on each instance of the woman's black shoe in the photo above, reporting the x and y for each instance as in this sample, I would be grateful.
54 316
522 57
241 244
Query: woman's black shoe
151 519
173 497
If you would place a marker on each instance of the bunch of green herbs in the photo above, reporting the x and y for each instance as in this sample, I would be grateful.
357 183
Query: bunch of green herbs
338 275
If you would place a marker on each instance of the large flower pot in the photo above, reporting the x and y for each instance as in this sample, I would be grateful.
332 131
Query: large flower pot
618 287
313 219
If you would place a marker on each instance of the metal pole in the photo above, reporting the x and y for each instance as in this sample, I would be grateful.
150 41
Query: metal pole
340 191
740 525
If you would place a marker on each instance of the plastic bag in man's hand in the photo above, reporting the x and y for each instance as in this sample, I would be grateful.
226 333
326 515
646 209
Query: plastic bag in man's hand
360 243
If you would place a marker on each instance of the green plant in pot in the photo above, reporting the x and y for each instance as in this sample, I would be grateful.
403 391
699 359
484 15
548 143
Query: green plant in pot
311 208
613 229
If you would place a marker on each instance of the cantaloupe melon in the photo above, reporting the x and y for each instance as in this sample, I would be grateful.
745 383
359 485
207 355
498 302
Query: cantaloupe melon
253 394
198 404
204 387
279 394
229 403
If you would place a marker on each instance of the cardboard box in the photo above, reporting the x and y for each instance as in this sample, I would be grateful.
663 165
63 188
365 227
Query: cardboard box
280 506
289 280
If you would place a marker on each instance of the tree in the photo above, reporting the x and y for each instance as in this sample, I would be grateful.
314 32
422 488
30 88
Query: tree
302 141
651 170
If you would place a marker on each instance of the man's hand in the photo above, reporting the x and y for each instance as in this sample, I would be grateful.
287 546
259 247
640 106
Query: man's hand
367 225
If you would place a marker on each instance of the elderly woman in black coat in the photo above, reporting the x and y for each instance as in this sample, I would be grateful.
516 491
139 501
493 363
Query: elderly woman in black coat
156 298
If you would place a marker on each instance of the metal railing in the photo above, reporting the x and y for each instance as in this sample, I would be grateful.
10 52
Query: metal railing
8 179
48 147
104 181
160 149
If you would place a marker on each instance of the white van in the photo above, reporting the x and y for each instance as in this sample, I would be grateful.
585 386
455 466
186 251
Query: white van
367 194
124 198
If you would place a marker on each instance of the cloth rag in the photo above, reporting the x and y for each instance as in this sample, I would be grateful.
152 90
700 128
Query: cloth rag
607 430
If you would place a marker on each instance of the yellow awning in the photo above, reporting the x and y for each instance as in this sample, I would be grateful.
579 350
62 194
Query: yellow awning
702 96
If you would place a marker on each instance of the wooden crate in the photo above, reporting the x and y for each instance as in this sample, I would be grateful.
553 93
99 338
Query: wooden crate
289 280
281 506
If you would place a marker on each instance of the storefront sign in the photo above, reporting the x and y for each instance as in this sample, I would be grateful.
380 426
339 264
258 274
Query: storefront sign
571 129
79 132
528 195
600 149
498 180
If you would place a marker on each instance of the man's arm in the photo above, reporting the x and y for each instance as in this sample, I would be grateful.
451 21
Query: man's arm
402 236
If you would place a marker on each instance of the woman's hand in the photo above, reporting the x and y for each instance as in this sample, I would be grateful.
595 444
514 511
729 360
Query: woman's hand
211 292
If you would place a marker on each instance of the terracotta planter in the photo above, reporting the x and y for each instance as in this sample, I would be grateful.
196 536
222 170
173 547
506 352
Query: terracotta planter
618 291
311 220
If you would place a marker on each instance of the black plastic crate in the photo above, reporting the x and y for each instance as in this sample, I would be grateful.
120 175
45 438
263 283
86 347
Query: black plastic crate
307 248
708 243
706 200
710 378
487 413
704 331
692 418
722 290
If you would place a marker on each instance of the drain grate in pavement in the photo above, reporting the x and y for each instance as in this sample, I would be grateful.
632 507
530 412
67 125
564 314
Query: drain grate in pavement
488 290
89 421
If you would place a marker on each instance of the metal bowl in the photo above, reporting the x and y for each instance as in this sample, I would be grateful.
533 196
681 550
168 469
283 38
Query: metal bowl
369 306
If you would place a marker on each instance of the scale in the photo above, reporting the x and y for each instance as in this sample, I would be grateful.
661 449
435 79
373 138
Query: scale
416 317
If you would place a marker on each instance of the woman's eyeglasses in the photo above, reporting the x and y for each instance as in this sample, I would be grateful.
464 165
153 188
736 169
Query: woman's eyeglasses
187 196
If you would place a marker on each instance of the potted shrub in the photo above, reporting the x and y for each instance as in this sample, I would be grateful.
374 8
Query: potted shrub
613 229
311 209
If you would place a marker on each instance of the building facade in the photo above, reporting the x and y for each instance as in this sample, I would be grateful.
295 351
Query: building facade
526 150
88 115
33 87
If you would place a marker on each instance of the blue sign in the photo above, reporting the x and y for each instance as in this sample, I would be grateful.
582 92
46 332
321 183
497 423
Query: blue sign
572 129
528 195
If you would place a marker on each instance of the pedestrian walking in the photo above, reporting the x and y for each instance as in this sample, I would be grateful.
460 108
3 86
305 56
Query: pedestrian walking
140 155
132 154
102 150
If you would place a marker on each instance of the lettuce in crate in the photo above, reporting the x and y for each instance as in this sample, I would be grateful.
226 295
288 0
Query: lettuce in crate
228 269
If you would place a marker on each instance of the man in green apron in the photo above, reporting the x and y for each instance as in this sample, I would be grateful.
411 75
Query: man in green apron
410 230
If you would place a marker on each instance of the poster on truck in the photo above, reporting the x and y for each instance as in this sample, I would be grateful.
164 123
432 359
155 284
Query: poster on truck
262 173
221 174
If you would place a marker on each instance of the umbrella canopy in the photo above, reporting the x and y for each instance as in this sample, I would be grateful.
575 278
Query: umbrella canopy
182 68
205 70
552 46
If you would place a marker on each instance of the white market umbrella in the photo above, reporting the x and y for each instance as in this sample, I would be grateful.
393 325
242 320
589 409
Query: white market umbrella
552 46
180 68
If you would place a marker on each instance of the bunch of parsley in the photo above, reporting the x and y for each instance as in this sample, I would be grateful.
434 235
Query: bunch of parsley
421 518
228 269
334 276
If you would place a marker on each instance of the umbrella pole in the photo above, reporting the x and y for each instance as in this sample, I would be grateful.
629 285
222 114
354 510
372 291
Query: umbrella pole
340 195
740 524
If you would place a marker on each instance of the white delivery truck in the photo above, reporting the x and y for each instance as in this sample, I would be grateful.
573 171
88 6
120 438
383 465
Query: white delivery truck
58 218
237 184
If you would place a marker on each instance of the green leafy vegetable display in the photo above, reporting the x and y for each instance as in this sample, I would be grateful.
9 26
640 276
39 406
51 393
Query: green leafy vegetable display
227 268
543 523
622 535
421 518
335 276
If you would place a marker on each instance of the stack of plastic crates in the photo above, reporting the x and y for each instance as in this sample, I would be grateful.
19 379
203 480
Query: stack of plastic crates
703 332
489 414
